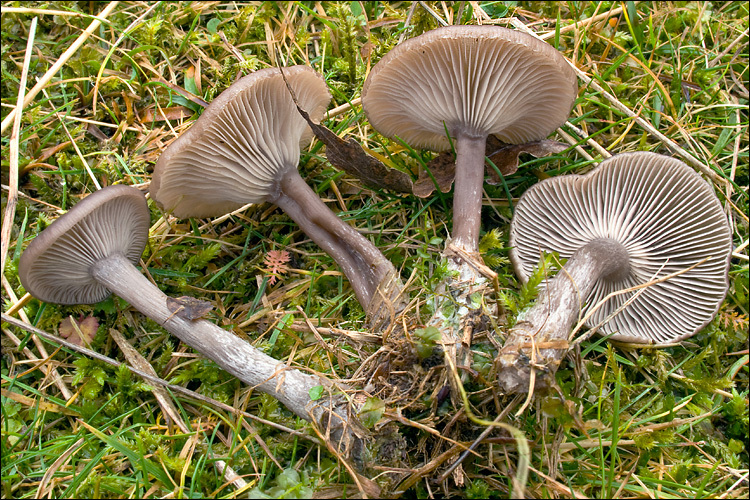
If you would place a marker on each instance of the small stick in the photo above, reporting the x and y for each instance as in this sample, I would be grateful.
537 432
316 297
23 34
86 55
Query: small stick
588 22
10 208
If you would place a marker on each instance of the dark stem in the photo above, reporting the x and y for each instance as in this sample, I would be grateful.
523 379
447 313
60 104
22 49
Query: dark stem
462 253
540 336
467 198
374 279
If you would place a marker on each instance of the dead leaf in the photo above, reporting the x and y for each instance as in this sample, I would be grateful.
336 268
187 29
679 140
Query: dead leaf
188 308
151 115
351 158
505 156
80 333
443 169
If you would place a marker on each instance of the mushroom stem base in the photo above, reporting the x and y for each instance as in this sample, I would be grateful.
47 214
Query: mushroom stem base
539 340
458 306
260 371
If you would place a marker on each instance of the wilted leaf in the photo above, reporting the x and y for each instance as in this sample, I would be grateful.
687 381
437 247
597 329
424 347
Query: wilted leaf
83 334
443 169
188 308
505 156
371 412
174 113
351 158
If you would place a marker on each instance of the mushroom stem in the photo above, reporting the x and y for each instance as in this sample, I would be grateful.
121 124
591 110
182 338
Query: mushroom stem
456 322
467 198
374 279
291 387
540 337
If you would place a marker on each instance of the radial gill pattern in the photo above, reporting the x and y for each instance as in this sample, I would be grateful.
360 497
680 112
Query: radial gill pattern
235 151
666 217
55 267
477 80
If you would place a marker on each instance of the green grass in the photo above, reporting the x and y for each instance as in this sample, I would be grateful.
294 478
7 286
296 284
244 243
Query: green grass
628 422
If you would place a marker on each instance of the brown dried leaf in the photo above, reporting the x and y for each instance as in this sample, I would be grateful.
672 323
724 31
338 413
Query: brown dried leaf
351 158
505 156
188 308
443 169
83 334
174 113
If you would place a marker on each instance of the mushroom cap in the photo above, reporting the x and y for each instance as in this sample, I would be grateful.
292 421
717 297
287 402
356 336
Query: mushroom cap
665 216
235 152
55 267
477 80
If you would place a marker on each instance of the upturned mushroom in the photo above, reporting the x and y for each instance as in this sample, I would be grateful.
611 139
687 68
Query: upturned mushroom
641 224
90 252
245 148
456 85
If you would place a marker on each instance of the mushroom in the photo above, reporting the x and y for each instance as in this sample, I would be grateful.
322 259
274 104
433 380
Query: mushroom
459 84
90 252
245 148
641 224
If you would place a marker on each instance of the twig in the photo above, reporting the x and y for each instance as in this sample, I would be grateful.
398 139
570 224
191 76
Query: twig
726 51
434 14
344 107
50 371
47 12
59 64
407 21
479 439
10 208
589 21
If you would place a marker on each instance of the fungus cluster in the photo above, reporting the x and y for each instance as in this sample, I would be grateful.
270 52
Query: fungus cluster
646 240
453 87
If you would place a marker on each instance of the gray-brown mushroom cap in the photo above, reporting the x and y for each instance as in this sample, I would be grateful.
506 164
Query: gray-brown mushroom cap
236 151
480 80
665 217
56 265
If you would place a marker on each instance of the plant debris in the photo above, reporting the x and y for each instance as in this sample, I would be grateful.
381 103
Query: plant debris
189 308
504 156
79 332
